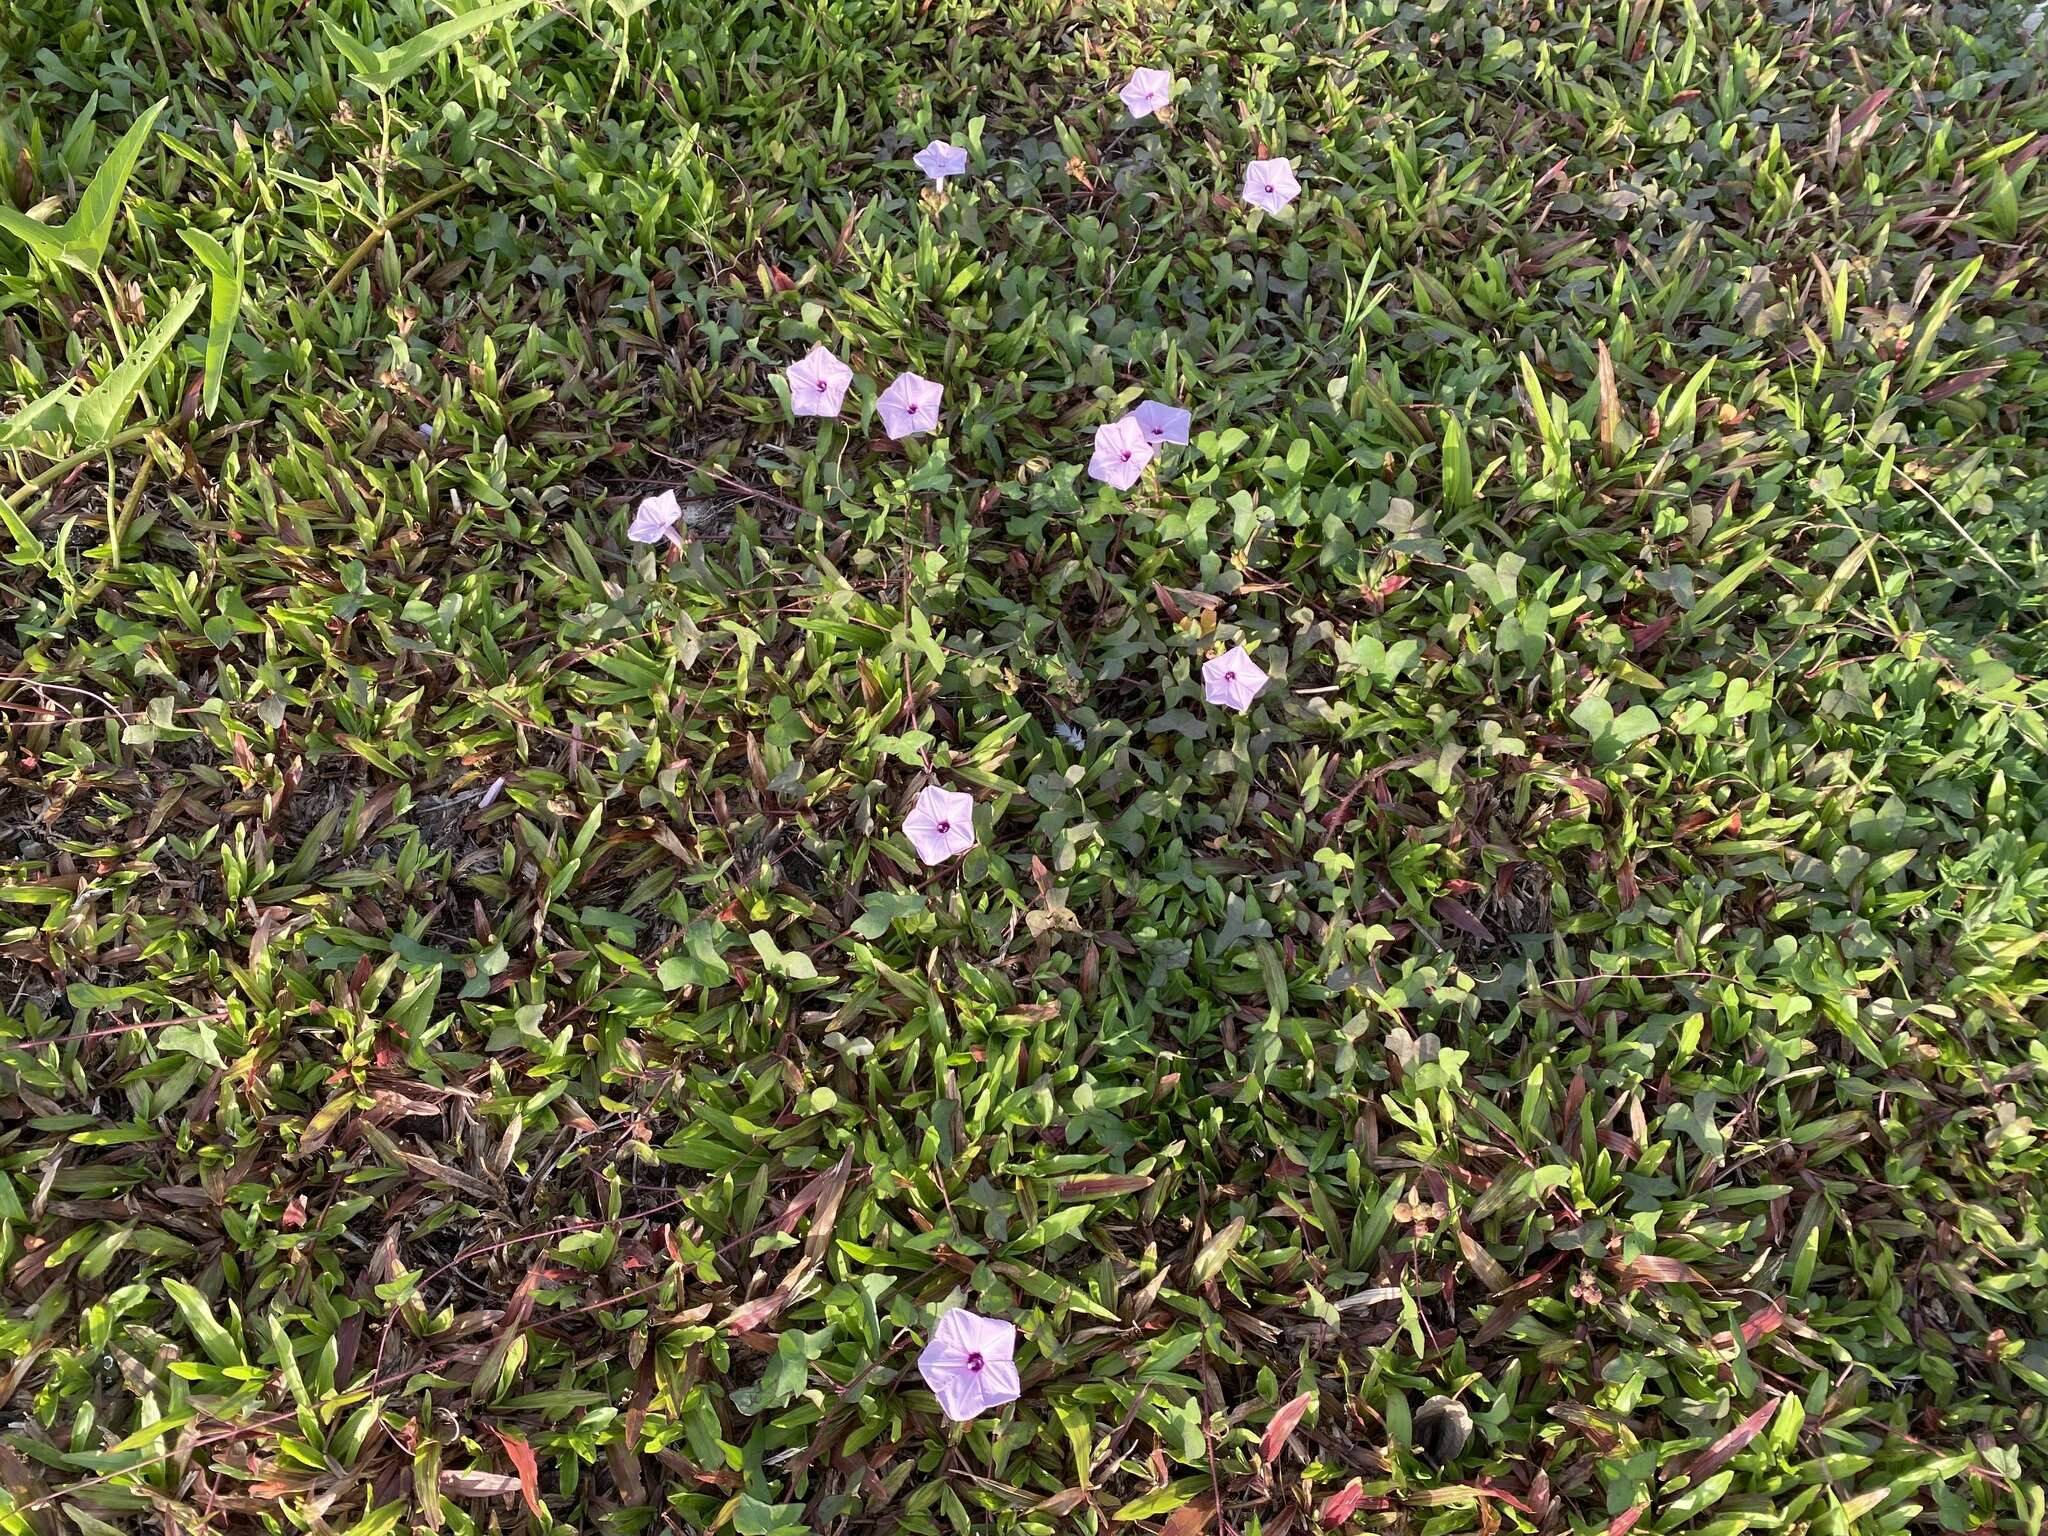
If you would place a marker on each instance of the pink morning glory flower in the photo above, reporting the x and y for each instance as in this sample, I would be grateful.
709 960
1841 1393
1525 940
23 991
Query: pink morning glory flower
940 824
1270 184
1148 91
970 1364
1162 423
1121 453
939 160
910 405
1232 679
655 519
817 383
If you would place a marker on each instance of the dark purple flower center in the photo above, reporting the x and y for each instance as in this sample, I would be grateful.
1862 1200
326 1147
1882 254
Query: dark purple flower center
821 386
912 409
974 1359
1127 455
947 826
1230 677
1269 189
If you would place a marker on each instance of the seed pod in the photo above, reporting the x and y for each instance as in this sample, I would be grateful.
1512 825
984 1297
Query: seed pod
1442 1426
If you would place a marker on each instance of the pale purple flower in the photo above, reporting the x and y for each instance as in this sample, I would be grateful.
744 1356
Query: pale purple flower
939 160
1163 423
655 519
1121 453
940 824
817 383
1148 91
910 405
970 1364
1232 679
1270 184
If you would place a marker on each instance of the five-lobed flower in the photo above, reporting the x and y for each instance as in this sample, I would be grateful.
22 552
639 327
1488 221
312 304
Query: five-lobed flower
1232 679
910 405
939 160
970 1364
1148 91
1121 453
655 519
941 824
1269 185
1163 423
968 1361
817 383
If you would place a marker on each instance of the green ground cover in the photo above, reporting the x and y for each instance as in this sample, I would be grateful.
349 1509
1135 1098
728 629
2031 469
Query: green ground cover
477 1049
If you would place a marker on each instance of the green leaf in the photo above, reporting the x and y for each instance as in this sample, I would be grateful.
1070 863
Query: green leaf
700 964
227 269
382 68
792 964
219 1345
757 1517
100 414
1930 325
86 236
44 242
46 414
196 1039
1678 416
1633 724
881 909
1209 1260
1457 464
1160 1501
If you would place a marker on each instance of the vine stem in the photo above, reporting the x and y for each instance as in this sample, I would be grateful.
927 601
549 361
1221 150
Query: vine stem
49 477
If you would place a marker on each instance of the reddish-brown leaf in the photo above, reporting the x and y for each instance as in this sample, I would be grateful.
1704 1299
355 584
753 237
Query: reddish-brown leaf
478 1485
517 1311
1460 917
1759 1324
1065 1502
643 1398
1656 1269
1711 1460
1959 383
521 1456
1593 789
1192 1518
1625 1522
1283 1425
1097 1186
750 1315
1642 636
1870 106
1340 1506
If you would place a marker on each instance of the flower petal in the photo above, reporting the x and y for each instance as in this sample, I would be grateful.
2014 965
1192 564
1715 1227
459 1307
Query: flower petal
1163 423
1121 453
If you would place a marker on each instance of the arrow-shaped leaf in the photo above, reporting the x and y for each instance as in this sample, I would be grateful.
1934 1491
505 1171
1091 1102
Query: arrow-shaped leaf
82 239
44 415
87 233
44 242
103 410
382 68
